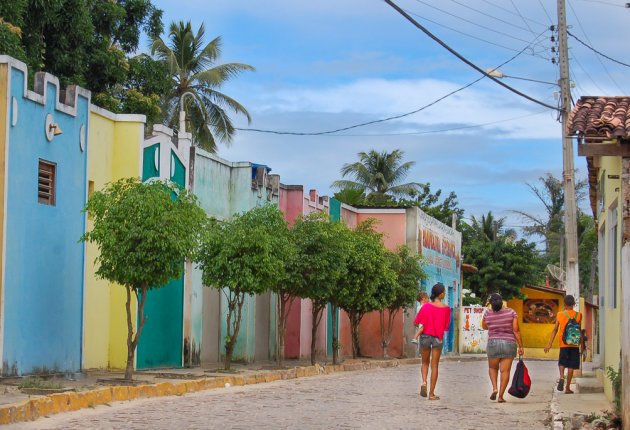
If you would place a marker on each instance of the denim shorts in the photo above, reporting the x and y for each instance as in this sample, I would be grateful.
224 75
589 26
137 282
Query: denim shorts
427 341
501 348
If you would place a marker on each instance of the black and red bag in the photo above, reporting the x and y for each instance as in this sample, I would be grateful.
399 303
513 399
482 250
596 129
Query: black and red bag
521 382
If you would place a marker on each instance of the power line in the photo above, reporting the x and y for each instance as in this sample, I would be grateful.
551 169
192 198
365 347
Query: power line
476 24
321 133
465 60
546 13
604 2
511 12
444 130
587 74
490 16
589 41
522 17
533 54
594 50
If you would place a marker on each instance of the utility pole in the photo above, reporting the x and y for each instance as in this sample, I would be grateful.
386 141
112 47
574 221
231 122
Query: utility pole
572 285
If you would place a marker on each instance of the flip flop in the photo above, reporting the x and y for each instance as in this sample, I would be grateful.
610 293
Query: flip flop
434 397
568 392
423 390
560 386
500 401
493 396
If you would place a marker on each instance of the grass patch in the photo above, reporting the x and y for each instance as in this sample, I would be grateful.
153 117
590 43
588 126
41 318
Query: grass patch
39 383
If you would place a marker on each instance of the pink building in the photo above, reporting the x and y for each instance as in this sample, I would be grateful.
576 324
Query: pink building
392 223
297 342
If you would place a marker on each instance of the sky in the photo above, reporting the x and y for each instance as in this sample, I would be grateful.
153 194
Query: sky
329 64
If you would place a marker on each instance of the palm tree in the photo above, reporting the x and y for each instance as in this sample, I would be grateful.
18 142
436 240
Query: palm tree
488 227
378 175
195 71
550 225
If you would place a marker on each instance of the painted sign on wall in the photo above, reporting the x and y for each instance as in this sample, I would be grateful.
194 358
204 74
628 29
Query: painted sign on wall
440 245
472 337
540 311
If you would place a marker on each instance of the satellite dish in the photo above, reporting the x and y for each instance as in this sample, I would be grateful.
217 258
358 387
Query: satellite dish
557 274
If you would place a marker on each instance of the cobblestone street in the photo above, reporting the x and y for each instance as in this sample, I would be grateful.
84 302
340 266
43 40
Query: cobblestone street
374 399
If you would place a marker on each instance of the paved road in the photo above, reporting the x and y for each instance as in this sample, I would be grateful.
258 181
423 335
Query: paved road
375 399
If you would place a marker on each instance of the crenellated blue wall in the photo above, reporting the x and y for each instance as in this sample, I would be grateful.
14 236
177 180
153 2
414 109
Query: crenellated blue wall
43 269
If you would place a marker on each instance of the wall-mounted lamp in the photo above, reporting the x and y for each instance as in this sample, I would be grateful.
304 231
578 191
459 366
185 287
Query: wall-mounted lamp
54 128
51 128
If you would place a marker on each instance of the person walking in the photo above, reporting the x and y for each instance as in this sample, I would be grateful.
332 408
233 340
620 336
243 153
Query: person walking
435 318
503 336
568 322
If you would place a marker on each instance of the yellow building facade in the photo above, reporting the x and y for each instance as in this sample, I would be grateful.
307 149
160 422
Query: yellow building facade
115 144
601 126
608 171
537 318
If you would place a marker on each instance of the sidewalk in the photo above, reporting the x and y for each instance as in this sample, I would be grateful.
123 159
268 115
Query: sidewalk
585 408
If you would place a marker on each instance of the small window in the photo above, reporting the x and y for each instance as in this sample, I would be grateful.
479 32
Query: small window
46 182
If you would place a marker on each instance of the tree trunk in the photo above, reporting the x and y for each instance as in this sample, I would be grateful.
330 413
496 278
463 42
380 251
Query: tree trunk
387 328
335 340
285 301
235 309
132 341
355 320
317 317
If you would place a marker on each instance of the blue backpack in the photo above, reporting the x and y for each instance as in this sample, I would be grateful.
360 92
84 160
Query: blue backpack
572 334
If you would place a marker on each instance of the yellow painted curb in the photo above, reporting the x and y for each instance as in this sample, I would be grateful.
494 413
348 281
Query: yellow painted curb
29 410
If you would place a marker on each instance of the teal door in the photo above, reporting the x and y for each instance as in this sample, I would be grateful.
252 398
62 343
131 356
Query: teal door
161 339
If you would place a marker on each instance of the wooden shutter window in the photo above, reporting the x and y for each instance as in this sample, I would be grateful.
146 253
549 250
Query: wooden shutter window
46 183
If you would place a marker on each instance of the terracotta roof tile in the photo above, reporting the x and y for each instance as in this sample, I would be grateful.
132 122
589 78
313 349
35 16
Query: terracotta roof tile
607 117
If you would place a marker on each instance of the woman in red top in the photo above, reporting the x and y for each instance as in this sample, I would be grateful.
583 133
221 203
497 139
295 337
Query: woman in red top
434 317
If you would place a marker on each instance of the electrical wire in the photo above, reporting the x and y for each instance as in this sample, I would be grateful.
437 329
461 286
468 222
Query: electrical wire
490 16
321 133
445 130
587 74
595 50
522 17
511 12
546 13
589 41
604 2
474 23
533 53
462 58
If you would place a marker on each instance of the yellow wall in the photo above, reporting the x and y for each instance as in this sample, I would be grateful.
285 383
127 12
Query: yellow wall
114 153
536 336
612 317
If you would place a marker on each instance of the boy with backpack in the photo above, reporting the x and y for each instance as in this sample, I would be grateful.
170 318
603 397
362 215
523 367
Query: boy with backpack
569 323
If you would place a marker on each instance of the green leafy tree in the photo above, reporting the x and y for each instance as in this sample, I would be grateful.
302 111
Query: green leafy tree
399 292
11 23
587 255
244 256
88 43
194 69
379 175
368 267
143 231
504 267
430 204
318 264
550 225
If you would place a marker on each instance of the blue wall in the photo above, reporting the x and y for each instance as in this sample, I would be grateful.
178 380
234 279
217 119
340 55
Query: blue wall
43 287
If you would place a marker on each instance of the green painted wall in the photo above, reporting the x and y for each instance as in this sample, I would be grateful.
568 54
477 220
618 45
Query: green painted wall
335 209
148 162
